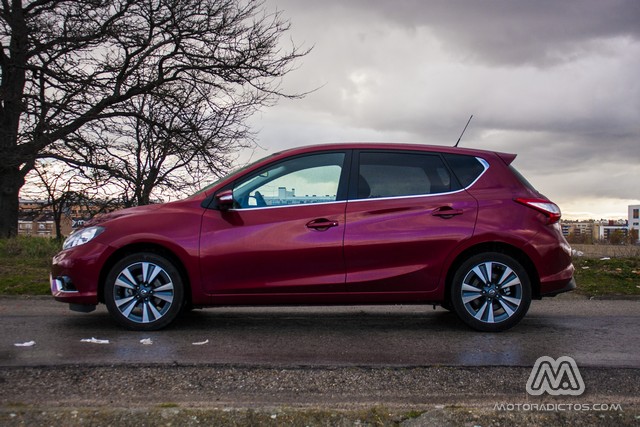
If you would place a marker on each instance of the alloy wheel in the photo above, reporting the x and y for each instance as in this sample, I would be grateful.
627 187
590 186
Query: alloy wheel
491 292
143 292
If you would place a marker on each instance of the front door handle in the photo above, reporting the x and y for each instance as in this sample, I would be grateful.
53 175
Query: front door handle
321 224
447 212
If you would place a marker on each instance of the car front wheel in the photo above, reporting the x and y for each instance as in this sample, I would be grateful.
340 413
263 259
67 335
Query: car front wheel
491 292
144 292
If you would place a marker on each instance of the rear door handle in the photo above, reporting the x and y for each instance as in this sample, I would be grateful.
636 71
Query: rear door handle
446 212
321 224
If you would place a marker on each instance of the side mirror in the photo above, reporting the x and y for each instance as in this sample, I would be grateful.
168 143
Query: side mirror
224 200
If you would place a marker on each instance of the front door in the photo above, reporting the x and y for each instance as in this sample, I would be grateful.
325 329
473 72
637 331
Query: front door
284 234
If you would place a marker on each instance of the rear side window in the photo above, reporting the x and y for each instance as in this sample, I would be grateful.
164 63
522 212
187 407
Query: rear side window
385 174
466 168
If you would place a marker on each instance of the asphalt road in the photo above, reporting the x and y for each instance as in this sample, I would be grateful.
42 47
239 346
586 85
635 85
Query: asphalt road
596 333
387 365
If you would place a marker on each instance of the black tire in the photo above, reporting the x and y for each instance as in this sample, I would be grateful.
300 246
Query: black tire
491 292
144 303
446 305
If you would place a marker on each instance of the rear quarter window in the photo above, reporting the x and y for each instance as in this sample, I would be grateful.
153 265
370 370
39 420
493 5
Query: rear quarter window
466 168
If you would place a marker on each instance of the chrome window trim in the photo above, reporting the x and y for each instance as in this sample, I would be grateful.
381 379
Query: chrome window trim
482 161
411 196
486 166
253 208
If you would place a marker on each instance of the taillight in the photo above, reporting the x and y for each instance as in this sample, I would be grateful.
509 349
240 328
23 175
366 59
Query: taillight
549 209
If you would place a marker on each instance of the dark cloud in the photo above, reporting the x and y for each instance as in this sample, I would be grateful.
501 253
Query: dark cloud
554 81
540 32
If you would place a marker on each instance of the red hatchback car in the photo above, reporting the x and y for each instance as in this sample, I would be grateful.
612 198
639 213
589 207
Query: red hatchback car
331 224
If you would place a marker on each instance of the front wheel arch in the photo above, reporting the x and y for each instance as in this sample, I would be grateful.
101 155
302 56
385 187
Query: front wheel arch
144 291
150 248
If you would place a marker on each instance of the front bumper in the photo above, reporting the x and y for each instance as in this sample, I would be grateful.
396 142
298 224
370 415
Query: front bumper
75 274
571 285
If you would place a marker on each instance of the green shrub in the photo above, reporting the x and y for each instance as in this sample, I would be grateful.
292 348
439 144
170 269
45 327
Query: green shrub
33 247
607 276
25 264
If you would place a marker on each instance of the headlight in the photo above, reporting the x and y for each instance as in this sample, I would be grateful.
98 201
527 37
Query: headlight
81 237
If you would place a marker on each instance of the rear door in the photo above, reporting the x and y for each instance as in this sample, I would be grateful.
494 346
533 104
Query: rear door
406 212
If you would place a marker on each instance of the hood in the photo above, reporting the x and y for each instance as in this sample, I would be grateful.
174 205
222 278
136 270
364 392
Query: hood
137 210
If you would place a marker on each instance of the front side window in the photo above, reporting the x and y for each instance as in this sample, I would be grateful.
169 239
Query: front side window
301 180
385 174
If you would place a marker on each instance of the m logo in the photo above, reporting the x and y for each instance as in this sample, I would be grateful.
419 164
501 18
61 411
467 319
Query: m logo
556 377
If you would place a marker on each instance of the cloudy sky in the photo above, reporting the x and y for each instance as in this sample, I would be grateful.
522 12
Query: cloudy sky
557 82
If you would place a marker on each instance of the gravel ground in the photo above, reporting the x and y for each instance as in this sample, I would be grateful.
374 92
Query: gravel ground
241 395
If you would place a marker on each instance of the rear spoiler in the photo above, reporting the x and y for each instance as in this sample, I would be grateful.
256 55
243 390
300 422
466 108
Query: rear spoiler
507 158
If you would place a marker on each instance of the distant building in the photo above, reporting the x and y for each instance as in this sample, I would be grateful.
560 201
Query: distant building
580 231
606 229
284 194
634 221
591 231
35 218
286 197
42 225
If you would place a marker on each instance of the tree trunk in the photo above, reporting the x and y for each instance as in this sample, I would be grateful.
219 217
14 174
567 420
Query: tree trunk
10 183
12 85
57 220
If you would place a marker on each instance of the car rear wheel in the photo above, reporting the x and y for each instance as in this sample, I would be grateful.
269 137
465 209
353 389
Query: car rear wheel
144 292
491 292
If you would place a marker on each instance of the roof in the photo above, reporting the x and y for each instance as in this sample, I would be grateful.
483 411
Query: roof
506 157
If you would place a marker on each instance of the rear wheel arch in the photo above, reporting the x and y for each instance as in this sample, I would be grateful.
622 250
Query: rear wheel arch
149 248
491 292
498 247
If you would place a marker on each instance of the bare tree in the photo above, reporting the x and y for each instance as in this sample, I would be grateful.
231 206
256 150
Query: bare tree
70 67
163 147
57 187
63 190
